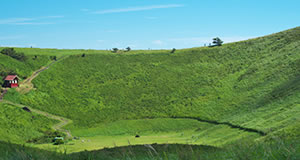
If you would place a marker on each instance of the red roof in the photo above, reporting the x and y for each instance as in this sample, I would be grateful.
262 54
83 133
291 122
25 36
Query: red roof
10 77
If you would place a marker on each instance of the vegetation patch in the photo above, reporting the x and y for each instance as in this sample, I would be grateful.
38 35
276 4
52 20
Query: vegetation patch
19 126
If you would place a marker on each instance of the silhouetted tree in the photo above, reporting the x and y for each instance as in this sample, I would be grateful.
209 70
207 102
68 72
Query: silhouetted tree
217 41
128 49
173 50
115 50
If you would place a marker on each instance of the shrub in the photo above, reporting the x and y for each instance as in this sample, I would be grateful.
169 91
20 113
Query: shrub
173 50
58 141
12 53
128 49
217 41
53 58
115 50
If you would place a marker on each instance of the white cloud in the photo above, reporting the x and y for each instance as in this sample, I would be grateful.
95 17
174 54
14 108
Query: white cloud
134 9
158 42
29 21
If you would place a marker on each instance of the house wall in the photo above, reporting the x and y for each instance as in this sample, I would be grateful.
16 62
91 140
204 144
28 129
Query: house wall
6 84
11 84
14 85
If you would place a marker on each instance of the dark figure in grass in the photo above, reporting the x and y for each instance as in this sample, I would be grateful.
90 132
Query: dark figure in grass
26 109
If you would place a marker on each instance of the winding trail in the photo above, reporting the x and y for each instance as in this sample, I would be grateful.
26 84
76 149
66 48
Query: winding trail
25 87
63 121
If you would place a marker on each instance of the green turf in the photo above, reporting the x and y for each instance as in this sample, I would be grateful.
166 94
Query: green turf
134 127
19 126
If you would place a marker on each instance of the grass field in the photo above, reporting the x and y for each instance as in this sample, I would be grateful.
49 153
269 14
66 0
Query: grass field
111 97
161 131
19 126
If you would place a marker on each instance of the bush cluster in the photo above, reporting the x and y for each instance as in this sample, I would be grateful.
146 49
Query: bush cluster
12 53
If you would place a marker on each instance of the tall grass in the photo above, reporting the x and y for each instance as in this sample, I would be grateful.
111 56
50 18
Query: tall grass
244 150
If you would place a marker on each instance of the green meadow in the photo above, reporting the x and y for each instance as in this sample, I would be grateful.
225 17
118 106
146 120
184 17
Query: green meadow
213 101
19 126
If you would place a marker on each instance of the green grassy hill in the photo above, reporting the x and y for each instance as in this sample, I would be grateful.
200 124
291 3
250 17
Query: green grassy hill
252 84
248 83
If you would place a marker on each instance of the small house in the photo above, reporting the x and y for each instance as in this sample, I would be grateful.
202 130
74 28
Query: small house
11 81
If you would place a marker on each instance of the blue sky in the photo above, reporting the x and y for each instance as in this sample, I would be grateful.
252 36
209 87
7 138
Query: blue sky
140 24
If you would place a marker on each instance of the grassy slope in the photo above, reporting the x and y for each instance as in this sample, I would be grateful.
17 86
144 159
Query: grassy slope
23 69
18 126
251 83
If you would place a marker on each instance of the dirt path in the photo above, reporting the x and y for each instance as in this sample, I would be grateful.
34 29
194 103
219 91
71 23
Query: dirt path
63 121
26 85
